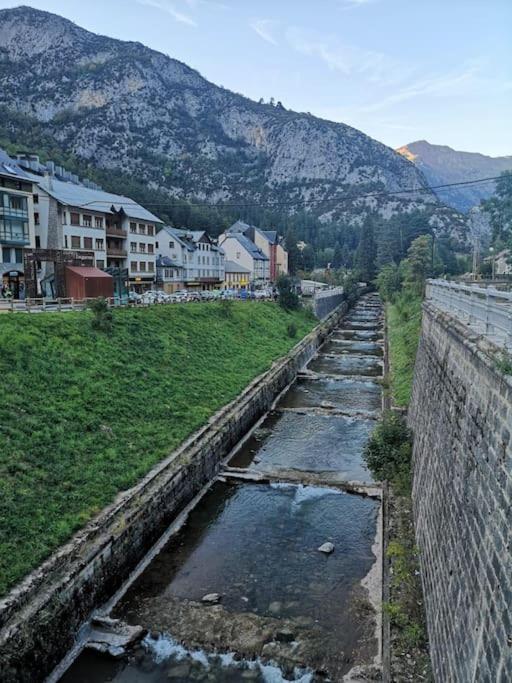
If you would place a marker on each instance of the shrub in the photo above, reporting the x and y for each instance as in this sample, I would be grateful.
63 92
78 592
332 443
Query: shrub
226 308
291 330
287 296
388 452
102 315
504 363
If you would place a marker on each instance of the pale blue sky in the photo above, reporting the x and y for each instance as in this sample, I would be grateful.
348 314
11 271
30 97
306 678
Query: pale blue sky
399 70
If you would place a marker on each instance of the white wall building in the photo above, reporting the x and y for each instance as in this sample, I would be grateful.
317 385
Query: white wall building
194 260
243 251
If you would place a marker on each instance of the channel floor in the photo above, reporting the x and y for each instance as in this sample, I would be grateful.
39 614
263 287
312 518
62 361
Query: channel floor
278 608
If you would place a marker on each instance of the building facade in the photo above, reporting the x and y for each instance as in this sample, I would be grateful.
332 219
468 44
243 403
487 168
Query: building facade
266 241
17 229
236 276
244 252
197 261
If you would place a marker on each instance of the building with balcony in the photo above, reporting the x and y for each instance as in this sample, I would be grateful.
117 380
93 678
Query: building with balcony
104 229
17 230
198 260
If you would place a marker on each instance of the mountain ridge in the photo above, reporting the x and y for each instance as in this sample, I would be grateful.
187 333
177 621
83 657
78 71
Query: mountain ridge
442 164
121 105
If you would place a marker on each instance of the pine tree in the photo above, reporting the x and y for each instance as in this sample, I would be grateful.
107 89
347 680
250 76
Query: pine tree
293 251
366 253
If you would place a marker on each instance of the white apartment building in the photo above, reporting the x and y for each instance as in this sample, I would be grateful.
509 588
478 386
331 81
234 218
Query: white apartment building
188 258
244 252
107 230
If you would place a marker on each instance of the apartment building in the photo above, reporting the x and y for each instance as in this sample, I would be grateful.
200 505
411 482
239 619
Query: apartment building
17 229
266 241
244 252
237 276
193 259
104 229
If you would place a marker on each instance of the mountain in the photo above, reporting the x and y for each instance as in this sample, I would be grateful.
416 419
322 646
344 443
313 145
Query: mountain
122 106
441 164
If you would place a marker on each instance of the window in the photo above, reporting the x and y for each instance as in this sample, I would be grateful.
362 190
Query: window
133 247
36 218
133 266
87 220
151 229
99 245
156 244
98 222
75 242
237 255
87 242
18 256
100 263
36 199
38 242
142 266
142 247
151 266
65 241
133 227
75 219
171 245
142 229
151 249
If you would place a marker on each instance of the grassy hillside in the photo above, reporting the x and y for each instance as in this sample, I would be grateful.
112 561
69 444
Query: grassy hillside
85 414
404 324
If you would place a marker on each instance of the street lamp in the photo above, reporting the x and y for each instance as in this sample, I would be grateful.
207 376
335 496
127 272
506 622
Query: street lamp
493 263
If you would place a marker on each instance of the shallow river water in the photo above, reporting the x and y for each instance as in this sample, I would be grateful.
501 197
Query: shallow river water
284 610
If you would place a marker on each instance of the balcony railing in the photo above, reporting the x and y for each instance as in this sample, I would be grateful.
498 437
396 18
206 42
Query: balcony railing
115 232
115 251
17 238
485 309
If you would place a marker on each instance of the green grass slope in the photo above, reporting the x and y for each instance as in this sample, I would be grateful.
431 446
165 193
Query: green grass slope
85 414
404 325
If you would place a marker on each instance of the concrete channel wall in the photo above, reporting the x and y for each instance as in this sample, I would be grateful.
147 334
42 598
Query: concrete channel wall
40 618
461 415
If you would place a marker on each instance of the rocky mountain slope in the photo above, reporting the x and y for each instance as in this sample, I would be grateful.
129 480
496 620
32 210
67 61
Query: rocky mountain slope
121 105
441 164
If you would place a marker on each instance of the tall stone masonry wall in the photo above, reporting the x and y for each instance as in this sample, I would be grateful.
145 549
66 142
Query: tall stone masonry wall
461 416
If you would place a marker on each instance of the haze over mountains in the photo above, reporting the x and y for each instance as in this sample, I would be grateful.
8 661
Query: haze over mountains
120 105
441 164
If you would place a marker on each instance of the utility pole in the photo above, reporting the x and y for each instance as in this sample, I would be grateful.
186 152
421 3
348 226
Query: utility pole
476 257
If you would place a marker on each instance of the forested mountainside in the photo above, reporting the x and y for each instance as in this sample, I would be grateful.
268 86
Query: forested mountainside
122 107
441 164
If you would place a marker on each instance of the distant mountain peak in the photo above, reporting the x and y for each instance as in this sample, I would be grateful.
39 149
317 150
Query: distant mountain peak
442 164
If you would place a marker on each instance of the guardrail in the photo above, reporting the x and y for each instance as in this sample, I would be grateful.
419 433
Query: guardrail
486 309
40 304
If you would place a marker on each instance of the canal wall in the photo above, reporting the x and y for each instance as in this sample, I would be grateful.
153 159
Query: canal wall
41 617
461 415
325 302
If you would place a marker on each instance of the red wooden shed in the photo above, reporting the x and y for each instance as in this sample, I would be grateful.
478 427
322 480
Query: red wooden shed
83 282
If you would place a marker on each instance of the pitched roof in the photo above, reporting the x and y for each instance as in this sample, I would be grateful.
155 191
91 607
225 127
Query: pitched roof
271 236
10 168
250 247
233 267
166 262
83 197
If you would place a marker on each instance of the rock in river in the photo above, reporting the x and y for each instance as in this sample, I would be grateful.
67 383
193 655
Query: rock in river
211 598
326 548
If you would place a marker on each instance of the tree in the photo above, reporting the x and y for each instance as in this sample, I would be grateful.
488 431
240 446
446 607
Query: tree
419 262
389 281
293 251
287 296
366 253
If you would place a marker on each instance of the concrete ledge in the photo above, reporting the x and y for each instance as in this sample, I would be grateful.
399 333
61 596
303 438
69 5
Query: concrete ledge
41 616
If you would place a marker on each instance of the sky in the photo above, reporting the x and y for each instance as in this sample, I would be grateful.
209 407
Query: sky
399 70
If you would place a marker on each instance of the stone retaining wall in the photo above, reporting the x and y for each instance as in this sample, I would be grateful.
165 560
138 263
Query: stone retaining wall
461 415
40 618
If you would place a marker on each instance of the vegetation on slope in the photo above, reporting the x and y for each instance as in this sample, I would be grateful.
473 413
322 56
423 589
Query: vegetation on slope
404 324
85 414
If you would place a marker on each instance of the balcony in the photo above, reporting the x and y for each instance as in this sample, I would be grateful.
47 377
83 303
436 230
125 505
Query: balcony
116 251
15 238
115 232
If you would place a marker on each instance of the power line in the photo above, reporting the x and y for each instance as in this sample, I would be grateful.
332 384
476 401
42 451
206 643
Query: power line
304 202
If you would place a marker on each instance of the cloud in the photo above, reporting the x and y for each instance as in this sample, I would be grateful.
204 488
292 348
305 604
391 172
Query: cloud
349 60
168 7
460 82
263 28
